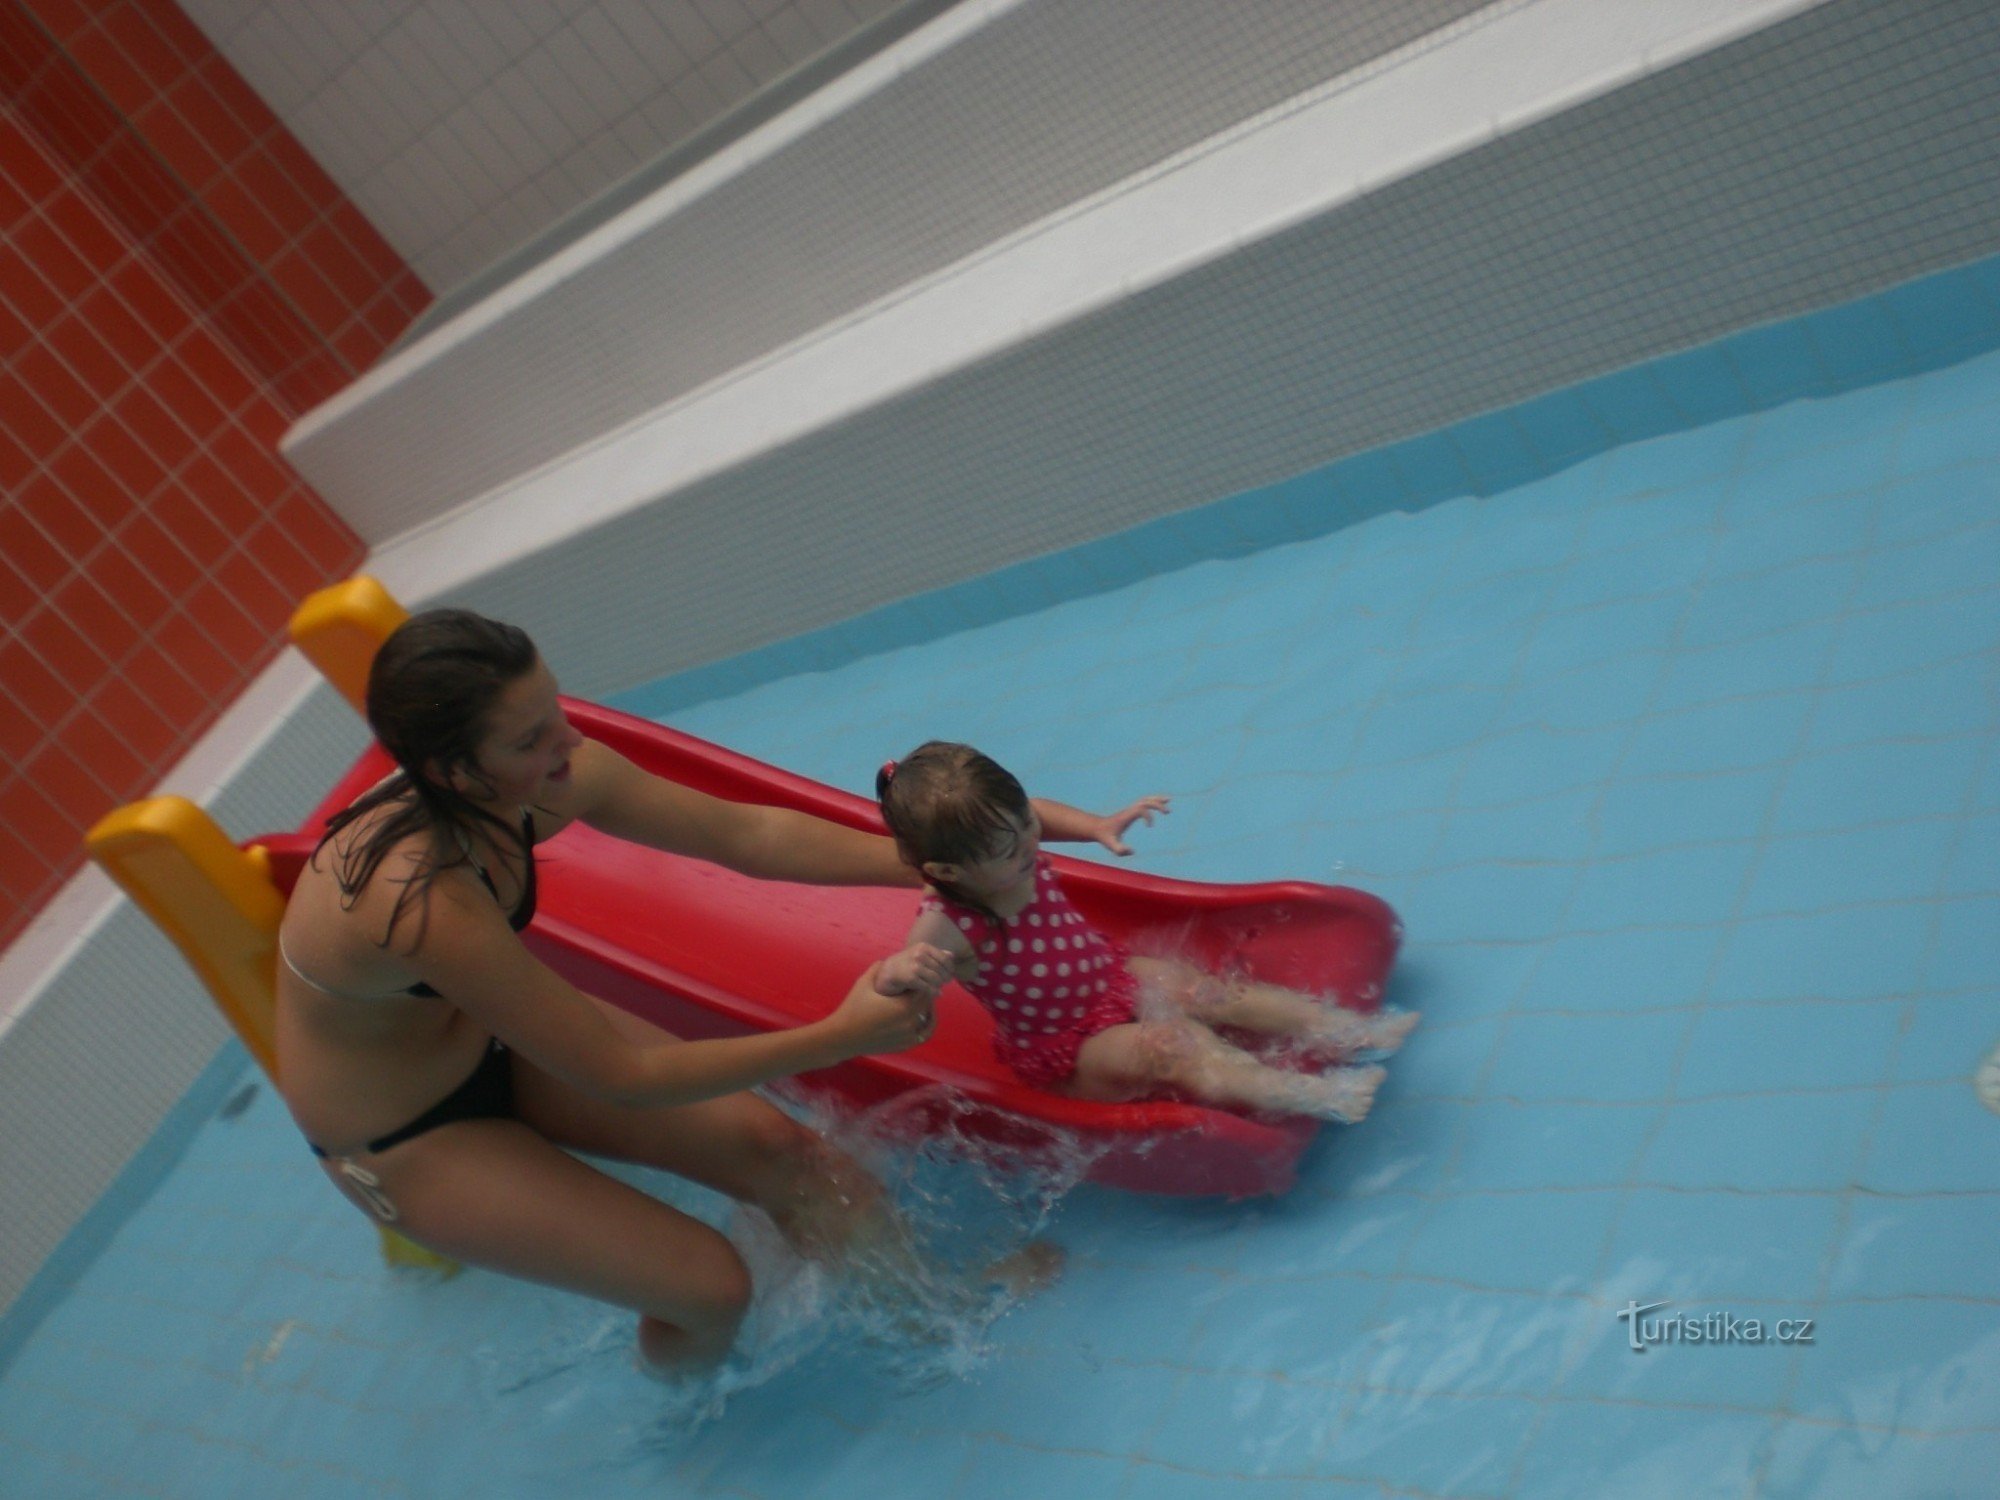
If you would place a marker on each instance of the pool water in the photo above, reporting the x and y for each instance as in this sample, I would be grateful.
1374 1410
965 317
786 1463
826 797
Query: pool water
1678 763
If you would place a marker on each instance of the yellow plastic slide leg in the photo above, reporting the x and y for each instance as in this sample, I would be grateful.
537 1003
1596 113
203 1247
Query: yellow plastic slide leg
214 901
217 904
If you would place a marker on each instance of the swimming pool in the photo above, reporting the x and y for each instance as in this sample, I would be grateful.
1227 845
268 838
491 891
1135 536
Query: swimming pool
1678 761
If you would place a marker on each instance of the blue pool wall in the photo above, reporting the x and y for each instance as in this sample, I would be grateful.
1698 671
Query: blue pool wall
1921 325
127 1195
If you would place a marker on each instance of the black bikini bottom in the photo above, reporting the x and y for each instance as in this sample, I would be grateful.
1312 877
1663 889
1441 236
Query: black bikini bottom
487 1095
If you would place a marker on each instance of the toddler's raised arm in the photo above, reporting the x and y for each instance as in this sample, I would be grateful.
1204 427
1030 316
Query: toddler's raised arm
1062 823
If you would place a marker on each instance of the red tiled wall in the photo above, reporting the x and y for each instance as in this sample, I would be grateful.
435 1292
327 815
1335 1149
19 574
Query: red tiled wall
178 281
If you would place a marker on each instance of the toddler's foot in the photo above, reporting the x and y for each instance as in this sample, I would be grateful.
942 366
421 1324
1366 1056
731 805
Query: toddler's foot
1345 1094
1387 1030
1350 1031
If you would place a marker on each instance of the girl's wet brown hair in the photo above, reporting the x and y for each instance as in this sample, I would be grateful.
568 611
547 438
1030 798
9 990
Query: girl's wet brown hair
947 803
431 689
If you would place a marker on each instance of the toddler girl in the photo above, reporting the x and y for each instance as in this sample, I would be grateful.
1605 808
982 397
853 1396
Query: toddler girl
1067 1002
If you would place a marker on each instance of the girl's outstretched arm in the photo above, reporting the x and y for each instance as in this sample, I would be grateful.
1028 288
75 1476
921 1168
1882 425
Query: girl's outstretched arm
468 952
613 795
1064 824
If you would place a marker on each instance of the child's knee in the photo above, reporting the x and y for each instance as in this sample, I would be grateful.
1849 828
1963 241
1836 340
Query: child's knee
782 1161
775 1140
1178 984
814 1192
1169 1052
720 1295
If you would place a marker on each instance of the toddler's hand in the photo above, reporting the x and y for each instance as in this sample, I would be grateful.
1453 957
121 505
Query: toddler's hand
875 1018
919 972
1110 830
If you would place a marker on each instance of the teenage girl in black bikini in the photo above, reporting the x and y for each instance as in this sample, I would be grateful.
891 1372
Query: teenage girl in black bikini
440 1070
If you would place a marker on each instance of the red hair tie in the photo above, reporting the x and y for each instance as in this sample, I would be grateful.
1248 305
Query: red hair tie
882 779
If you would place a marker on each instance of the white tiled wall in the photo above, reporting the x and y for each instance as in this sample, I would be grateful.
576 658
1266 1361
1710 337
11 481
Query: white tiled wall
1381 259
992 118
1089 378
462 127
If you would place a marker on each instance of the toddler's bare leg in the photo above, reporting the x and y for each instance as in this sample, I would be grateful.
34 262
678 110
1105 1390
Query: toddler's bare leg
1129 1061
1269 1009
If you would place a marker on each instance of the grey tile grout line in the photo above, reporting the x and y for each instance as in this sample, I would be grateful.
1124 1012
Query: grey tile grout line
110 541
1228 1276
118 1481
1345 1417
1803 400
1658 778
201 1437
207 573
1568 1101
1571 1355
1280 1377
135 245
135 252
1694 928
1804 740
1846 1198
1793 1003
1144 1440
1801 837
1975 592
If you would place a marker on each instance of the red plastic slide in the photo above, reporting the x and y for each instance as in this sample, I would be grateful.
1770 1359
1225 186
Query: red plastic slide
708 953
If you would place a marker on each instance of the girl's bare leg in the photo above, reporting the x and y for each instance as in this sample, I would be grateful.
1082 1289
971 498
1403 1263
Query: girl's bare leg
821 1199
1125 1062
495 1194
1270 1010
827 1205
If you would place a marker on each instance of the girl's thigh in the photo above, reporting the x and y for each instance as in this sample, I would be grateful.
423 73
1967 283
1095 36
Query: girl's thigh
739 1144
1129 1061
495 1194
1142 1057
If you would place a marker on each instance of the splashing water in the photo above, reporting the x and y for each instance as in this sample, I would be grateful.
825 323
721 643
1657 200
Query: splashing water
917 1311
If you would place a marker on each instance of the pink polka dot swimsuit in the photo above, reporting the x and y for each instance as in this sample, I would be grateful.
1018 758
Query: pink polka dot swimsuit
1049 980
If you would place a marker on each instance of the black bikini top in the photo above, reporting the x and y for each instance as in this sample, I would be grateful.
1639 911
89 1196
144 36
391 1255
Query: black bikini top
521 915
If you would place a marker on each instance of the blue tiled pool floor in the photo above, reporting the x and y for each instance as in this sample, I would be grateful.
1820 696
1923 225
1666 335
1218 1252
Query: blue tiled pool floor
1679 765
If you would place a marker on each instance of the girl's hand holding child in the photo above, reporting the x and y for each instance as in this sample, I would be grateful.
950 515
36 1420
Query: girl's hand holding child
894 1005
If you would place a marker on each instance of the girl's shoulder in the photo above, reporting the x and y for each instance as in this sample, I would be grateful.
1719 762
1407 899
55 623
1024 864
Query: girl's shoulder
349 843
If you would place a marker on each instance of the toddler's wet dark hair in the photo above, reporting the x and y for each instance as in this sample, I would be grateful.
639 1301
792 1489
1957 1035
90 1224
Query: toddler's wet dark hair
948 803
